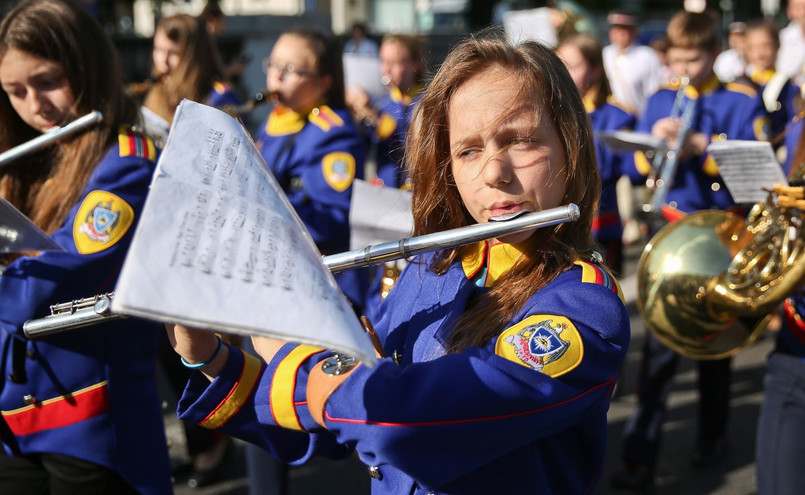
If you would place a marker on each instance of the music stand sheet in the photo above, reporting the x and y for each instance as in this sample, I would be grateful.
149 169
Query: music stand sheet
378 214
219 247
19 234
747 167
628 141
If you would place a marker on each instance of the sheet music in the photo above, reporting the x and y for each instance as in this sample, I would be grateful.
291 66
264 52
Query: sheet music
378 214
19 234
218 246
530 24
747 167
628 141
364 72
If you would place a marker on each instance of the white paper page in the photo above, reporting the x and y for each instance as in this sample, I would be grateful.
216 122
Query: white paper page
19 233
378 214
626 141
218 246
747 167
364 72
530 24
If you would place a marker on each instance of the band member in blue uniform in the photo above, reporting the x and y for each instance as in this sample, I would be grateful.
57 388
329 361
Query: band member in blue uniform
311 144
185 65
714 111
80 411
781 97
782 414
403 68
581 54
498 367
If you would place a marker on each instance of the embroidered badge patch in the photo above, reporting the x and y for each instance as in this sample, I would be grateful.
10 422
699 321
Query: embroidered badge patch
101 221
547 343
339 170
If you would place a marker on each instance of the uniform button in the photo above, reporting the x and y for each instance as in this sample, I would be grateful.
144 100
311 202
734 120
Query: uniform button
29 399
715 186
30 354
375 473
396 356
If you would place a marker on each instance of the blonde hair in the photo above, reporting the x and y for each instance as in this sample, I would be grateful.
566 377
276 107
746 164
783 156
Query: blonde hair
437 204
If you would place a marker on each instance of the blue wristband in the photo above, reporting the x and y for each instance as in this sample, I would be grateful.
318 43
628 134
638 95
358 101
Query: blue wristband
193 366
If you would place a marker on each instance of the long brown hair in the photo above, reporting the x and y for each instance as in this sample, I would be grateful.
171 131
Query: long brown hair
198 67
437 205
590 49
46 185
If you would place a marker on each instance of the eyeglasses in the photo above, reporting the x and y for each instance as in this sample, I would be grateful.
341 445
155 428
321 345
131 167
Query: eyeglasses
288 70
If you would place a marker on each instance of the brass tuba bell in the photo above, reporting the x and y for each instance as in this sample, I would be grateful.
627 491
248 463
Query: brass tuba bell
707 283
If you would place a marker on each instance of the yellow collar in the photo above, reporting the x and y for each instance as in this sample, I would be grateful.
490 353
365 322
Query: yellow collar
495 259
398 96
762 77
588 104
708 87
283 121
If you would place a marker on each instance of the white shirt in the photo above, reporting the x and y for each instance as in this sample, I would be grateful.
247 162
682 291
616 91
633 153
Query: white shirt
634 74
791 56
729 66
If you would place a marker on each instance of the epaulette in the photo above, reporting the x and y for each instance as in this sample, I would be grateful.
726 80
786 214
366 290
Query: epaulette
619 104
672 85
133 143
594 274
742 87
220 87
325 118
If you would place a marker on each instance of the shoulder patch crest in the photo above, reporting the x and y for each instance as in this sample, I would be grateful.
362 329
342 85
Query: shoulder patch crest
547 343
102 219
338 169
132 143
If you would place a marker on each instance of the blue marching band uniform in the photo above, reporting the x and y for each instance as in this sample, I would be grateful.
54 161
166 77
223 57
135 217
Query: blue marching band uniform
508 417
607 225
396 112
223 94
315 157
95 384
721 111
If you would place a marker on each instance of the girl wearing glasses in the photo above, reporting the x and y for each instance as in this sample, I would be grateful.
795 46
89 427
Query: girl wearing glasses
310 142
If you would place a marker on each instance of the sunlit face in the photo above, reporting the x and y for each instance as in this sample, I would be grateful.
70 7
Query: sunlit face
580 70
502 159
695 63
622 36
760 49
796 11
38 89
167 54
292 75
397 65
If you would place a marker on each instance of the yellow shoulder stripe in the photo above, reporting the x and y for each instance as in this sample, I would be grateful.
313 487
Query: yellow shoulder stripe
133 143
739 87
238 395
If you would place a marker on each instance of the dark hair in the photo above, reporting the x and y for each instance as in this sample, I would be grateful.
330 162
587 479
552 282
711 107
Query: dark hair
45 186
698 30
211 11
590 49
327 50
437 204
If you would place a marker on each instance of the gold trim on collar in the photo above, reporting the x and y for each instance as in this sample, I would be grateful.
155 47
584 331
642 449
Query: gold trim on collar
497 257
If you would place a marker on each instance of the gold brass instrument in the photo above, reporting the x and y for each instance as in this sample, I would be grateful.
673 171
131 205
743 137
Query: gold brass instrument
260 98
92 310
137 89
707 282
664 165
51 136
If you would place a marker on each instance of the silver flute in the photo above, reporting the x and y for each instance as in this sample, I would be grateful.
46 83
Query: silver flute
50 136
93 310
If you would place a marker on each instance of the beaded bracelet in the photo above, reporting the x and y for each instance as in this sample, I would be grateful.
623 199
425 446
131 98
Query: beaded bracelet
208 361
